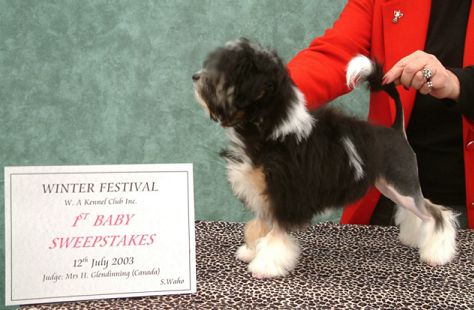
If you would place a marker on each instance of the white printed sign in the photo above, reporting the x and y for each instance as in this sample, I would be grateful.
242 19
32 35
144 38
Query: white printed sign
91 232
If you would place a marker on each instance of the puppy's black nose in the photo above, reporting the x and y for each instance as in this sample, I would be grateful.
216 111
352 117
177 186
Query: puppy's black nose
196 77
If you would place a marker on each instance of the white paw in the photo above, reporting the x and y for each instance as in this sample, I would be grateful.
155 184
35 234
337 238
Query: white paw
439 254
438 245
410 232
410 227
245 254
439 249
276 257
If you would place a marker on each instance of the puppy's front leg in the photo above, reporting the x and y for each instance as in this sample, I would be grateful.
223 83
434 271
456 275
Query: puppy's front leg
254 230
276 254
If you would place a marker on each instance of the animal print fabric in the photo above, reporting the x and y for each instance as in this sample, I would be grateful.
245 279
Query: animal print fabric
341 267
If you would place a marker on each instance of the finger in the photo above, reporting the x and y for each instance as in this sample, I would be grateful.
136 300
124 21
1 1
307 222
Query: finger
397 69
418 80
411 70
393 74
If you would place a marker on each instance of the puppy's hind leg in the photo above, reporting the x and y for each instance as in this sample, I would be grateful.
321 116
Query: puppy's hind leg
430 227
277 254
407 216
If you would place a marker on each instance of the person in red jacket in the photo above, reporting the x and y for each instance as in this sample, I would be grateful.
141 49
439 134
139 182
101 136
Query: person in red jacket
427 48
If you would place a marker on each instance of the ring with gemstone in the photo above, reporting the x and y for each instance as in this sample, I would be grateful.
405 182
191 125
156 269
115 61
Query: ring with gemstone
429 84
427 74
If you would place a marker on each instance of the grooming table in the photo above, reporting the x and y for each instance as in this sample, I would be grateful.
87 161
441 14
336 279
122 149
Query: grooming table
342 266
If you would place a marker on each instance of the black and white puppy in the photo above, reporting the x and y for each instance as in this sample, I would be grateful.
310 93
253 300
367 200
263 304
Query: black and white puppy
287 164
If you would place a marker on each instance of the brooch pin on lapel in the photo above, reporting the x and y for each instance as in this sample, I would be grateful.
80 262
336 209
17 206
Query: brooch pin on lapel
397 14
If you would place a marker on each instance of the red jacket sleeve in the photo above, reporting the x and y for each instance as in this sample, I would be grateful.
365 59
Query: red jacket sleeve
319 70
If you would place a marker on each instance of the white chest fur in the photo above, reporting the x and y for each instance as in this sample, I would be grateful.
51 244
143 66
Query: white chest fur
247 180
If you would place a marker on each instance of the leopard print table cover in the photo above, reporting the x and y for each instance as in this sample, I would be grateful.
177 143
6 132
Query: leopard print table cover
342 266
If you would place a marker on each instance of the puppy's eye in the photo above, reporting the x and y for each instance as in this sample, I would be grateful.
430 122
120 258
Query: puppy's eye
261 94
270 86
242 104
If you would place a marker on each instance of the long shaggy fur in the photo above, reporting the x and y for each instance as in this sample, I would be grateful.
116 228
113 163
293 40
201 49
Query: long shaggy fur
288 164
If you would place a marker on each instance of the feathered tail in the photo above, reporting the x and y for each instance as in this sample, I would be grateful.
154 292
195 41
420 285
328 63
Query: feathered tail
361 69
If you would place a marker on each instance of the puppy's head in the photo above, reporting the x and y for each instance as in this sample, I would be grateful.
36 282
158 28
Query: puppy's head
238 82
